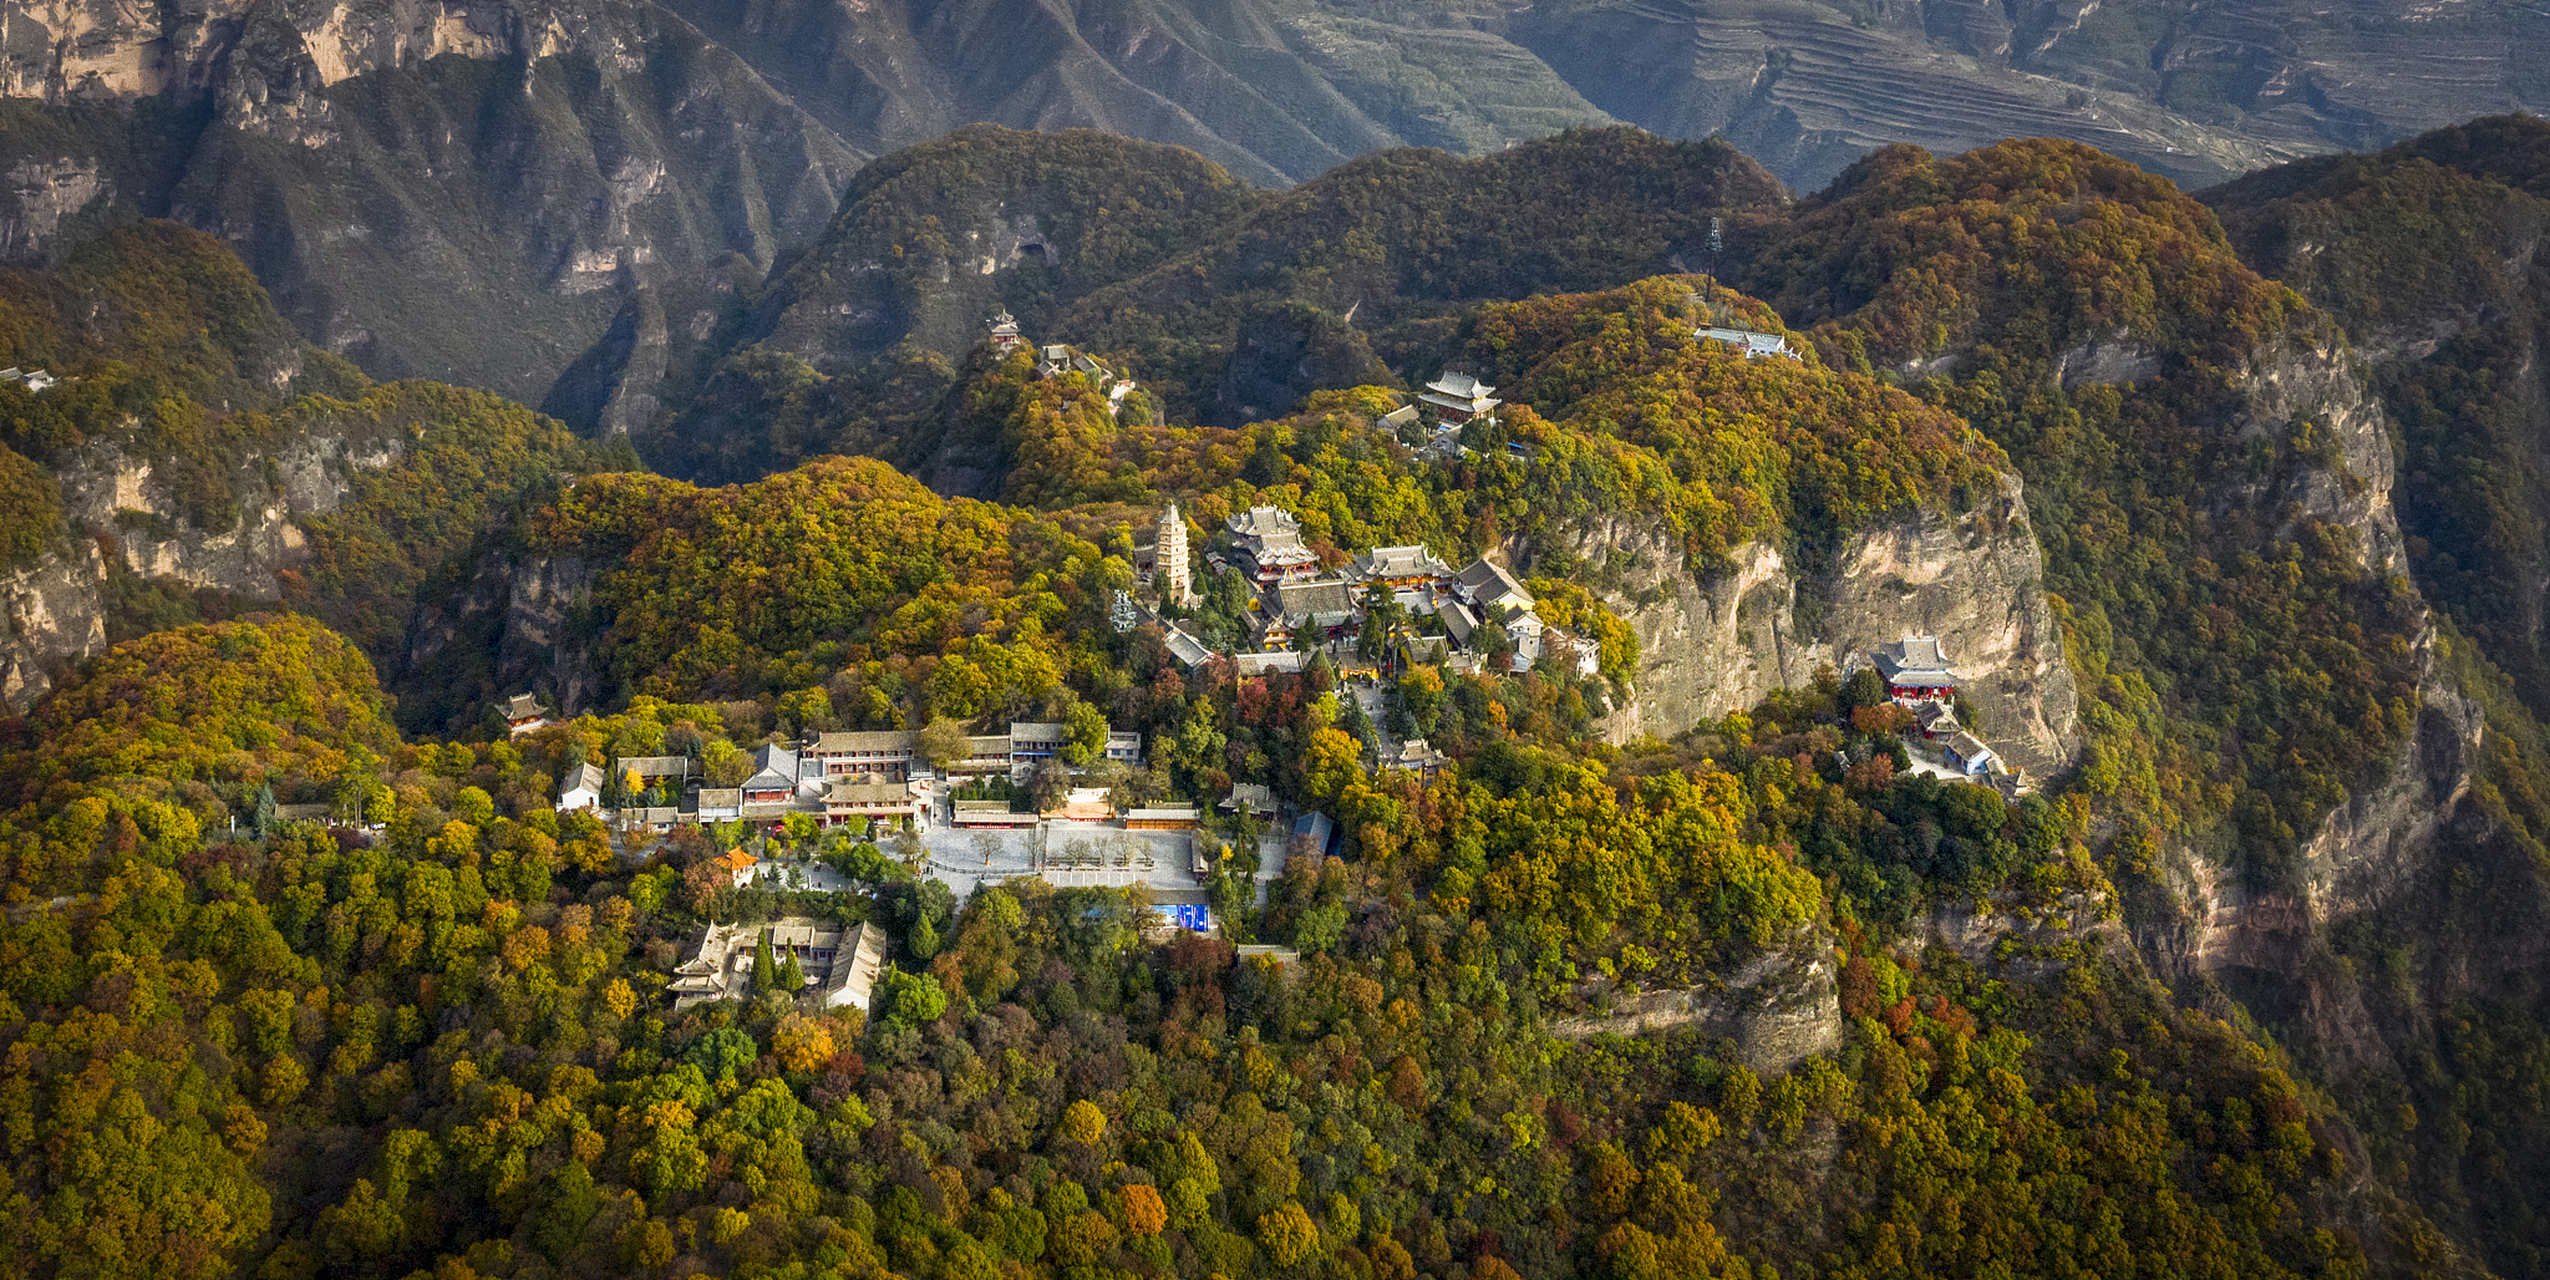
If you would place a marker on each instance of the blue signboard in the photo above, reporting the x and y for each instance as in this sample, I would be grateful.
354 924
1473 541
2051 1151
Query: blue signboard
1193 917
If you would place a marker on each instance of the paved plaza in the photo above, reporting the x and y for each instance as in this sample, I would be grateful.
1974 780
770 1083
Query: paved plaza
1067 854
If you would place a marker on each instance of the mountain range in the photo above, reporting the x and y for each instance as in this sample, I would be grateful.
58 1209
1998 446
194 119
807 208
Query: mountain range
2186 530
2228 506
500 194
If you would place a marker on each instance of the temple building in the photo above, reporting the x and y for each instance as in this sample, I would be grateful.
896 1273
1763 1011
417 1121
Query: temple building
1400 567
1755 346
1272 540
524 713
838 967
1458 397
1005 332
1916 670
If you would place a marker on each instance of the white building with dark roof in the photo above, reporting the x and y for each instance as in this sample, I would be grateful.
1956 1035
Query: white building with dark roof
583 789
1968 754
775 775
1491 589
1755 346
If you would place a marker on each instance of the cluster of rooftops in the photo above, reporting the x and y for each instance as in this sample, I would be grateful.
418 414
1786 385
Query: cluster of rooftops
1055 360
876 774
1299 597
839 965
1918 677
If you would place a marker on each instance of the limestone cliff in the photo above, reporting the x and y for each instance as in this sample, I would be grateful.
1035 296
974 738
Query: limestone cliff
516 625
1780 1007
1716 643
456 191
56 615
2375 853
58 610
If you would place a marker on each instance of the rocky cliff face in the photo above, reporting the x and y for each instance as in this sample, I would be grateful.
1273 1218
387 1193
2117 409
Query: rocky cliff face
57 609
462 192
2314 383
512 628
56 615
1779 1008
1710 645
2375 853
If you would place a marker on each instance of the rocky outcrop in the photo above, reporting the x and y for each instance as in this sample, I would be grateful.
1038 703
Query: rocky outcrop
461 192
1780 1007
57 609
2310 387
612 388
517 626
1719 643
540 649
55 616
2373 853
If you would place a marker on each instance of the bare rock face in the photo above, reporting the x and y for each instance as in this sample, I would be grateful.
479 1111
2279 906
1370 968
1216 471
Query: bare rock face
533 653
460 191
511 629
56 610
2375 855
1781 1007
2315 384
55 617
1975 580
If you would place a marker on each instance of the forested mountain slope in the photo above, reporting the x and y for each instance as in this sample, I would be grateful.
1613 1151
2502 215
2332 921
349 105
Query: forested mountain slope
1229 305
461 195
197 458
2429 254
1916 1041
1667 969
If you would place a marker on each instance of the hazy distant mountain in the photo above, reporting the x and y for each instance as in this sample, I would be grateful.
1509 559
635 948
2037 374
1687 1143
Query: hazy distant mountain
502 193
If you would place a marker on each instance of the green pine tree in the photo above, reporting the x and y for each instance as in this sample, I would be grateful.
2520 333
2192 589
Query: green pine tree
765 970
